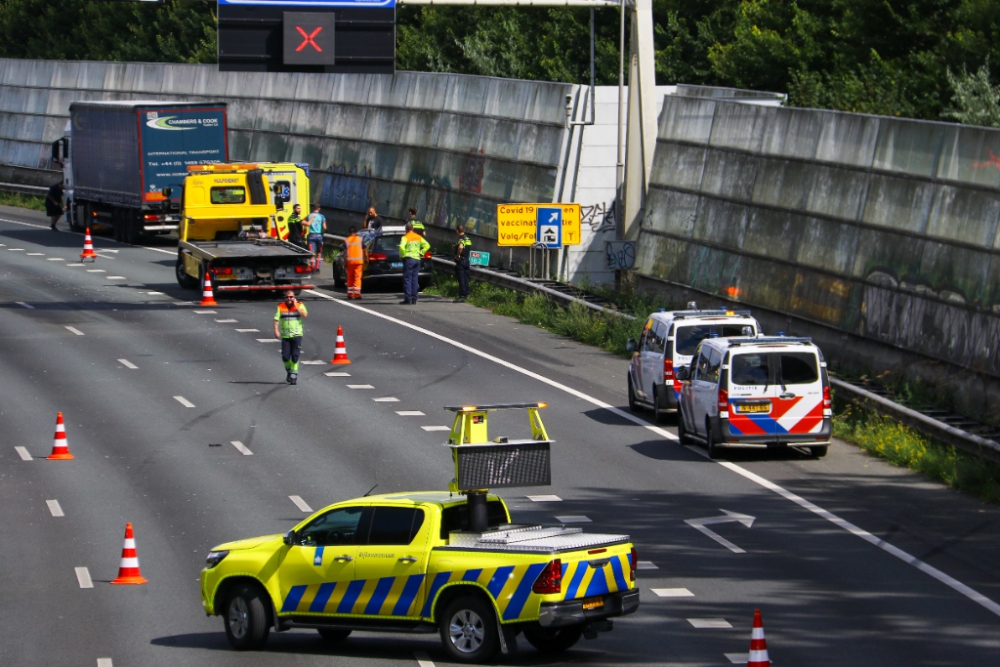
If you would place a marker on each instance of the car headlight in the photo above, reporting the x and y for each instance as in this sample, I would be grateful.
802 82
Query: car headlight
214 558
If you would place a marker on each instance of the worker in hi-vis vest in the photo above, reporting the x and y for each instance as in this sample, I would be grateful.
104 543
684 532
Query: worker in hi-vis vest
288 329
355 257
412 248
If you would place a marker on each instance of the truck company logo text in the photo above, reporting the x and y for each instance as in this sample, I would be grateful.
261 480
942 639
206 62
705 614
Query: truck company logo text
155 121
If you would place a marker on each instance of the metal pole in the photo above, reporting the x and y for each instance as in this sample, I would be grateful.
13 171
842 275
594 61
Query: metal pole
593 68
620 166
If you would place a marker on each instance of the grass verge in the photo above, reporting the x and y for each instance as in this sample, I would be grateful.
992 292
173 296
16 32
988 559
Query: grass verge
886 438
22 201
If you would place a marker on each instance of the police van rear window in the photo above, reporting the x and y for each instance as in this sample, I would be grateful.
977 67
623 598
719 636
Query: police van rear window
774 368
456 517
687 337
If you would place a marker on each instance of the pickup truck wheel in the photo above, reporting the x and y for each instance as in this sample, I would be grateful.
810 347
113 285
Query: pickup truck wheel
469 629
183 279
552 640
633 405
333 635
246 619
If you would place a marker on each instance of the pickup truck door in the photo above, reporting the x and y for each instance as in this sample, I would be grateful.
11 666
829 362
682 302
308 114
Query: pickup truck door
392 563
315 574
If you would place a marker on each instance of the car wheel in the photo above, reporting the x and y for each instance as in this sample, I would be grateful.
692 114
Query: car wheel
713 449
682 436
552 640
659 411
633 405
333 635
469 629
819 451
183 279
339 279
246 619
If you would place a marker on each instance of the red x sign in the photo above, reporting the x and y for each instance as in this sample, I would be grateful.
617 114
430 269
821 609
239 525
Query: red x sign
307 38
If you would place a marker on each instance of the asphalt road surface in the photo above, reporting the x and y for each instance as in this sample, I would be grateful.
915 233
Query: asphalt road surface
852 561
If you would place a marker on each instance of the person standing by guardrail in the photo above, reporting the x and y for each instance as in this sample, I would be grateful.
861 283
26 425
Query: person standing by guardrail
418 226
295 226
355 256
411 250
317 227
462 248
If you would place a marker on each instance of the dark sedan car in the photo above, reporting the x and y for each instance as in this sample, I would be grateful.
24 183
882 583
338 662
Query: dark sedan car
384 263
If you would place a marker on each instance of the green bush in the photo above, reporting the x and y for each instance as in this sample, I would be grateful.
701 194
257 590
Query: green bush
22 201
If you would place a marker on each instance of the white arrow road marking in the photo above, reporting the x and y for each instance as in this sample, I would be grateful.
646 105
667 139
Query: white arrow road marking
54 508
708 623
301 504
183 401
25 305
242 448
75 330
673 593
23 453
127 364
83 577
545 499
699 524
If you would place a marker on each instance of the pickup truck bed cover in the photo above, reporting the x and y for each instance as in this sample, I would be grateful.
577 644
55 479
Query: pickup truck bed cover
240 249
530 539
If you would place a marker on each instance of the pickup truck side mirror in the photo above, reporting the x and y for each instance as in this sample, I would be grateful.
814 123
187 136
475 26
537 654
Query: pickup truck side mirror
683 373
631 345
291 539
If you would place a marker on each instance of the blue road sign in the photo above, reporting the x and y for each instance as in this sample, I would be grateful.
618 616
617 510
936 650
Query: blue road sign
309 3
549 227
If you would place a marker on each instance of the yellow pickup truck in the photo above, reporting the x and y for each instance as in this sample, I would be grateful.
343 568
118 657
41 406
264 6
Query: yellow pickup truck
408 562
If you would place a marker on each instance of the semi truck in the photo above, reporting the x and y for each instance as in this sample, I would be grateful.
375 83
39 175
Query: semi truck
124 162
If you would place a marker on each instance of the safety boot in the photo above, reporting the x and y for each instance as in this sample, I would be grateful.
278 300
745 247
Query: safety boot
293 378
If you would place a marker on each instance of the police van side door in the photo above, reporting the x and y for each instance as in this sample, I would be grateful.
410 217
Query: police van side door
652 358
706 389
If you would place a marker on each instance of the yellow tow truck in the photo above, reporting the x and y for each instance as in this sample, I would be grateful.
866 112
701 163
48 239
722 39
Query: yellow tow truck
432 562
234 227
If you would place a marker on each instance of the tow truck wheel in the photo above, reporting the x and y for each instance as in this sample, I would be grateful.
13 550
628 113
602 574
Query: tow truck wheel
333 635
469 629
183 279
633 405
713 449
246 619
552 640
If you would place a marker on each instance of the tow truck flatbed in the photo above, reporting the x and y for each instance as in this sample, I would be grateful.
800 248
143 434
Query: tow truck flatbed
222 250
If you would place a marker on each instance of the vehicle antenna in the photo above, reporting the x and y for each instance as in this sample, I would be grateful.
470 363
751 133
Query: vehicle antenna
370 491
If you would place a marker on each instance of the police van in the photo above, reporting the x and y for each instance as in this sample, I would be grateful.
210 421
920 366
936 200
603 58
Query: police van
668 341
757 392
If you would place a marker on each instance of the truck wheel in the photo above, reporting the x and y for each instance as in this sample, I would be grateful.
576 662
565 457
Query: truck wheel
819 451
552 640
130 232
713 449
183 279
633 405
659 411
246 619
333 635
76 214
469 629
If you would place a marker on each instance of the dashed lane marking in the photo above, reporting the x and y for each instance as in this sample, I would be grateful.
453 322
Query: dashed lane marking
410 413
25 305
904 556
248 330
423 660
54 507
205 312
55 259
229 321
183 401
96 271
15 249
709 623
646 565
573 518
155 293
436 428
115 277
127 364
673 593
268 340
23 453
107 250
545 499
104 662
313 362
386 399
75 330
360 386
34 254
301 504
83 577
337 374
75 265
241 448
737 658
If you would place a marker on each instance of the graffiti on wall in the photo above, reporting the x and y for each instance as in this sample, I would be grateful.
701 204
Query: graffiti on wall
473 167
349 190
600 217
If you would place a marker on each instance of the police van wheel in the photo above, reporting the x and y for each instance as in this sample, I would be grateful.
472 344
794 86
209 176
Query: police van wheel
245 617
333 635
682 436
819 451
633 405
469 629
659 411
552 640
714 451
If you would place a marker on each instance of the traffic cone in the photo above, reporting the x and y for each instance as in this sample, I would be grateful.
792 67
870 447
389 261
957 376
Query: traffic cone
60 448
128 570
758 645
88 247
207 298
340 352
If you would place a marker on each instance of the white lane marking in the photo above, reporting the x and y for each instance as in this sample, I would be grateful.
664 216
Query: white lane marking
436 428
23 453
709 623
127 364
545 499
55 259
183 401
241 448
54 507
360 386
205 312
96 271
229 321
337 374
313 362
737 658
34 254
75 330
15 249
573 518
646 565
165 252
107 250
76 265
673 593
268 340
301 504
423 660
155 293
106 662
410 413
248 330
115 277
386 399
25 305
83 577
951 582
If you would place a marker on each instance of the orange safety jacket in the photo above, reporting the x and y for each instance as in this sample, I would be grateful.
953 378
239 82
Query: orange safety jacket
355 250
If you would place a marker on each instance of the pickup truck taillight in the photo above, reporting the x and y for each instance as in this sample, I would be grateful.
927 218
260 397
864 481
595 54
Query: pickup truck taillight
826 398
668 369
550 579
723 399
632 564
303 269
377 257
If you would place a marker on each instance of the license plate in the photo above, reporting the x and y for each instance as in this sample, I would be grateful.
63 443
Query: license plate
757 408
397 265
231 276
593 603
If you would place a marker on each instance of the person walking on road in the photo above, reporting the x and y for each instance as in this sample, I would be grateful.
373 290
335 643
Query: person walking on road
295 226
411 250
355 257
317 227
462 248
418 226
54 204
288 329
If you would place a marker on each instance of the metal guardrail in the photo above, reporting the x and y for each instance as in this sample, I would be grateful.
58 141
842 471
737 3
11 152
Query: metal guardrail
25 189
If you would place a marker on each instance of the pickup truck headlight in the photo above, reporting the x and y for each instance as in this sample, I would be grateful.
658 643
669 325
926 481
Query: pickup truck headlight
214 558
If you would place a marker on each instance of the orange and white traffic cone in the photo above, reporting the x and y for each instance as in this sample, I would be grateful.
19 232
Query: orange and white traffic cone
88 247
128 570
60 448
340 352
207 298
758 645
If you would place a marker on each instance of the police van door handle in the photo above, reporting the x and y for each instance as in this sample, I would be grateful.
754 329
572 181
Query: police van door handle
407 559
786 396
345 558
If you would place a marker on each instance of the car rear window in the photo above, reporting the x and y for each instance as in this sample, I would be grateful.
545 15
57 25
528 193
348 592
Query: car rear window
798 368
750 369
774 368
456 517
386 243
687 337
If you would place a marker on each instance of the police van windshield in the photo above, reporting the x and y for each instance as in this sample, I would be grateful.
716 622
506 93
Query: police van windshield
687 337
774 368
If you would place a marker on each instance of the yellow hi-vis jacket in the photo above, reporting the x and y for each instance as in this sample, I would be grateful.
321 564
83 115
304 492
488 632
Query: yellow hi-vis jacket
413 246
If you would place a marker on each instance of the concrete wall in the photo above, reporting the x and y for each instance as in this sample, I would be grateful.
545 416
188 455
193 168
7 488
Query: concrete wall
881 228
455 146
